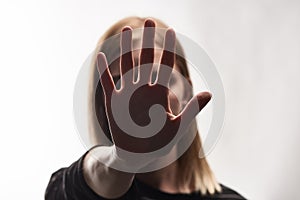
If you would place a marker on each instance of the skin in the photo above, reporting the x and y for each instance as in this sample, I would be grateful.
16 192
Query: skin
103 179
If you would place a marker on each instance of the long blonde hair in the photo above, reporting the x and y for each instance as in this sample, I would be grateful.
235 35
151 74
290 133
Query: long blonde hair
194 171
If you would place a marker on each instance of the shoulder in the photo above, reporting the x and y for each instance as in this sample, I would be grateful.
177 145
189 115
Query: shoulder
144 191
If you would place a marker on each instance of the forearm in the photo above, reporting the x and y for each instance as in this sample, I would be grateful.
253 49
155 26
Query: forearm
104 180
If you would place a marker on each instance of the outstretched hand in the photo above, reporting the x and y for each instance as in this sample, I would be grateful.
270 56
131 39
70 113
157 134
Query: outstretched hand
136 122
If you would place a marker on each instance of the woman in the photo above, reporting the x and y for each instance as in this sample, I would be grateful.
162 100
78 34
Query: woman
96 175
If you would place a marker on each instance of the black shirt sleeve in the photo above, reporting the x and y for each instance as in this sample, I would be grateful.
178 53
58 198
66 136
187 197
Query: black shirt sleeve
69 183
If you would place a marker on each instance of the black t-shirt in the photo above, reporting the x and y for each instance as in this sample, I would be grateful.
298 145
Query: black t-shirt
69 184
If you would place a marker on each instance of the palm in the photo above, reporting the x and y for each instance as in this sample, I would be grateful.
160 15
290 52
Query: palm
162 125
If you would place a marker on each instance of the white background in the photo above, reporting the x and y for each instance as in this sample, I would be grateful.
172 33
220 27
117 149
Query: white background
255 45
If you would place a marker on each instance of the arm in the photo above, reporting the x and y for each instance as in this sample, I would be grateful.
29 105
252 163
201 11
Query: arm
110 171
104 180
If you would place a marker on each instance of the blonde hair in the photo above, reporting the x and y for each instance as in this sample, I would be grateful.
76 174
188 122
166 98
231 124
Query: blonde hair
194 171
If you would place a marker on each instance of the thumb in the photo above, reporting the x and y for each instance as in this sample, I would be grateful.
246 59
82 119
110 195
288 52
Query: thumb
193 107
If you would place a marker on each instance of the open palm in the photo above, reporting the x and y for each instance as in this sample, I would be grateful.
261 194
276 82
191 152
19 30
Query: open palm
139 113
